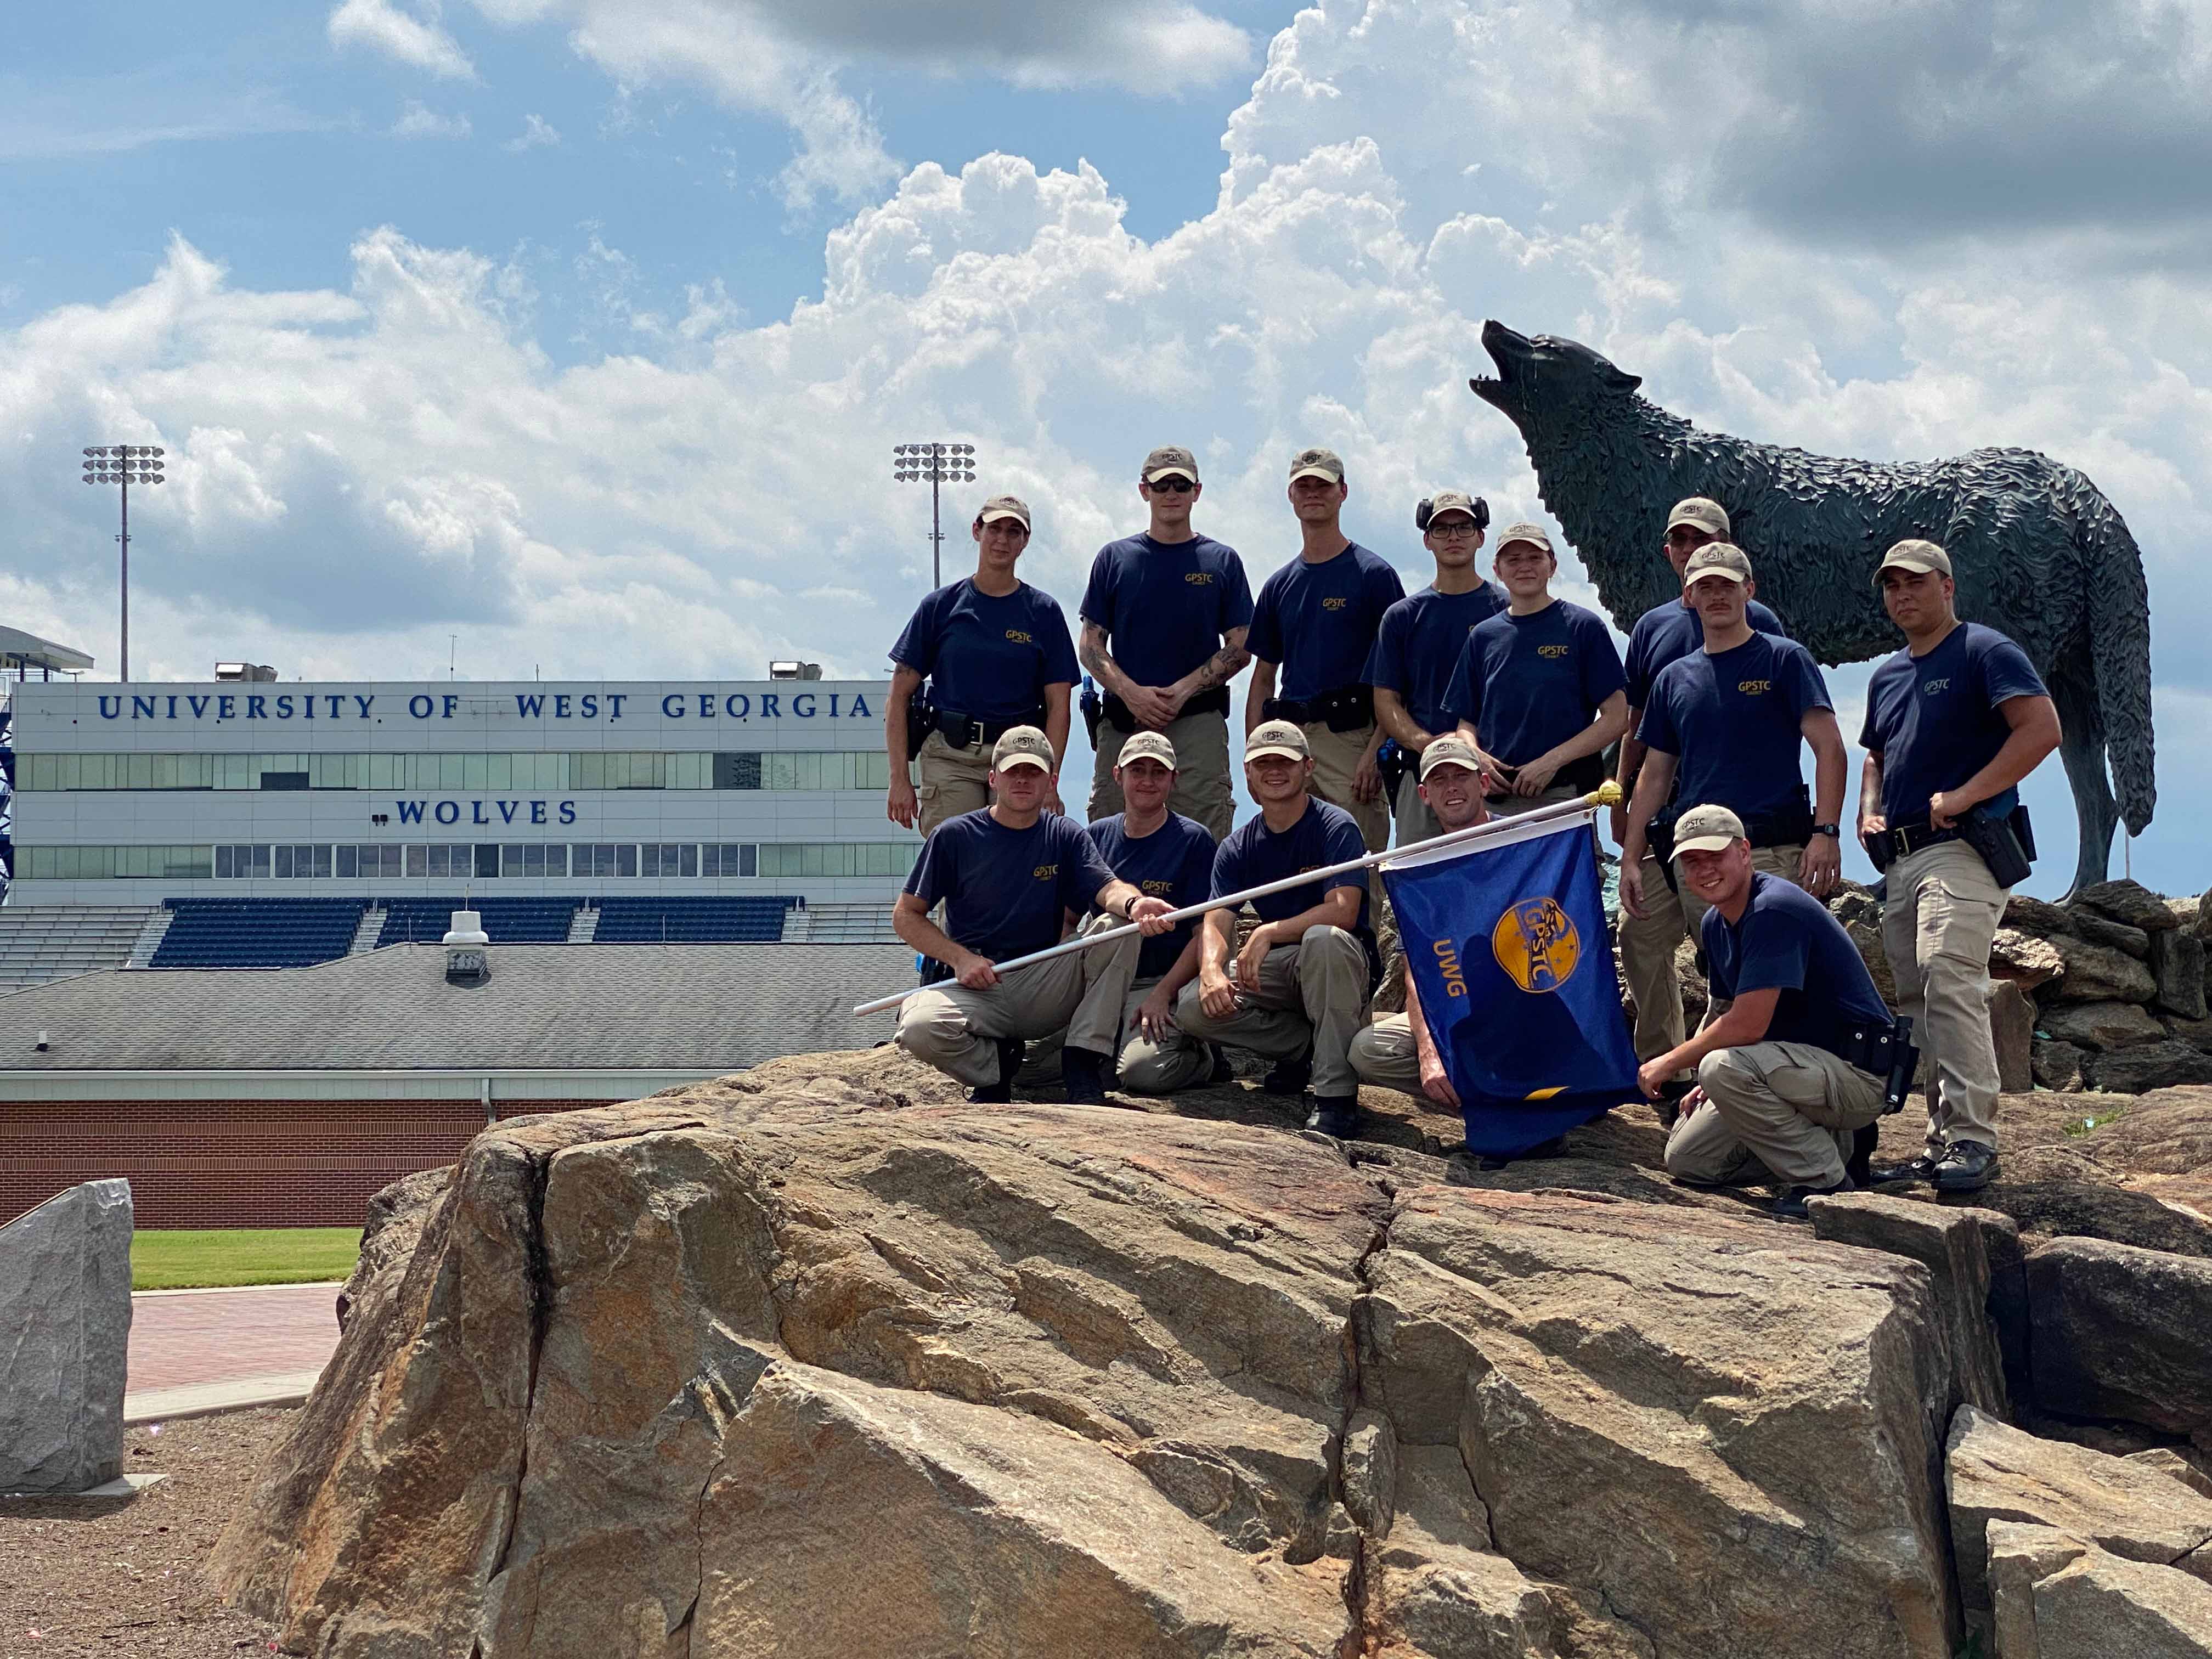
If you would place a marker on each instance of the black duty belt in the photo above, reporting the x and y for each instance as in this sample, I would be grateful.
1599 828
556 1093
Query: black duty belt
1904 840
1117 714
965 731
1345 709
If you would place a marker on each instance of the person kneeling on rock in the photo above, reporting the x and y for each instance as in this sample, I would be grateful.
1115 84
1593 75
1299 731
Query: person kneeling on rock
1795 1021
1004 874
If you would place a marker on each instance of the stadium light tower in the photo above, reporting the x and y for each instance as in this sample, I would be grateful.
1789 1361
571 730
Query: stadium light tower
126 465
934 465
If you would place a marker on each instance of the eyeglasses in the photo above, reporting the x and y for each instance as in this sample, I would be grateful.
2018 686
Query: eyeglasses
1173 486
1683 535
1458 531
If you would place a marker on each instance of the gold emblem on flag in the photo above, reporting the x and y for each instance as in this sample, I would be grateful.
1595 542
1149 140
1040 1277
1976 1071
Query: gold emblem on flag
1536 943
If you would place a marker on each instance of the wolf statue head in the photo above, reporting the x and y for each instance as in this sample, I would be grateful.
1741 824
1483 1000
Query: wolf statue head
1544 380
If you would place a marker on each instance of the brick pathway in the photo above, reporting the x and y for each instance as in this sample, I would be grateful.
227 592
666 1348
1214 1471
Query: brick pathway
223 1336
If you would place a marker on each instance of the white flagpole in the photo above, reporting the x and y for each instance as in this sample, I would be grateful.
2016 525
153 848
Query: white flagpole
1606 794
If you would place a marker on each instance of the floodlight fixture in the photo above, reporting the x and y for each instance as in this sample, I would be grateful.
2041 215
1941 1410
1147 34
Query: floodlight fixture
936 465
124 464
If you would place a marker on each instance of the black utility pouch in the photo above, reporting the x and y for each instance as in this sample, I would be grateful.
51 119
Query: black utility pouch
1393 763
1993 838
920 722
1349 709
1877 850
1089 703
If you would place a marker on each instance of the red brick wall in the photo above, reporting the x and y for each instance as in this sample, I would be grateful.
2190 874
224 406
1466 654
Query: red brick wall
236 1163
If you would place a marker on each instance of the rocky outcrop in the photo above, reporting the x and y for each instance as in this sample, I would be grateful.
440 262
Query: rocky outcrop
65 1334
2123 1331
2058 1596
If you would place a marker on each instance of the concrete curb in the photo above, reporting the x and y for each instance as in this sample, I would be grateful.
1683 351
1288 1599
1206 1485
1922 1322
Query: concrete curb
209 1399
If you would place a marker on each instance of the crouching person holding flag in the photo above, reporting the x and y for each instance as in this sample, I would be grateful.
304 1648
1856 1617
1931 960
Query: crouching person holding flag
1005 874
1298 989
1399 1051
1794 1055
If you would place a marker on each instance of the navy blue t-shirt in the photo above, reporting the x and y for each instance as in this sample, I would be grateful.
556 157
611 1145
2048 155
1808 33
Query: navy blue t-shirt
1528 684
1787 941
1254 855
1667 633
1175 863
1419 644
1318 621
1165 606
1004 889
989 659
1732 719
1934 720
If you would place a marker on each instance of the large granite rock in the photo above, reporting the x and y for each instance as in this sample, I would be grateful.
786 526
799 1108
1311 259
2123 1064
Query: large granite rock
2012 1031
64 1333
2024 959
2101 1025
805 1365
2177 962
2088 924
2122 1332
2038 916
2097 973
2058 1066
1994 1471
2165 1064
2058 1596
2127 902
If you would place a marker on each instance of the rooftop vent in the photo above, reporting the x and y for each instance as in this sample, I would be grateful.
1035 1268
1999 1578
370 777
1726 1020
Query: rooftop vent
794 671
468 953
254 671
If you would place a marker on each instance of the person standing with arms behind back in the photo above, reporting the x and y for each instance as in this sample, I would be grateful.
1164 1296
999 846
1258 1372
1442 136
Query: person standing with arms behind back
1419 645
1163 619
1538 690
1954 722
1316 622
996 654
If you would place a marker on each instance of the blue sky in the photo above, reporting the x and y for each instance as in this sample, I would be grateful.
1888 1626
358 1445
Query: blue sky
580 328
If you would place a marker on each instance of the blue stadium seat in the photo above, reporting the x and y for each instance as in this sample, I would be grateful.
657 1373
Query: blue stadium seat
752 921
508 920
258 933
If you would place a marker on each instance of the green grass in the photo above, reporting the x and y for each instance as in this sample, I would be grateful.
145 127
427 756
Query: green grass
2074 1129
181 1260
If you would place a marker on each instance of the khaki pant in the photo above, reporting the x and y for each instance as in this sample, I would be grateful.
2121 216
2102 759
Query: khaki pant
1791 1107
1312 993
1648 944
1176 1060
954 1029
949 782
1202 788
1336 757
1383 1054
1942 911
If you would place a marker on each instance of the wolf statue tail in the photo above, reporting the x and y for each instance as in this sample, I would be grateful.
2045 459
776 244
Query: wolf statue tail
2119 647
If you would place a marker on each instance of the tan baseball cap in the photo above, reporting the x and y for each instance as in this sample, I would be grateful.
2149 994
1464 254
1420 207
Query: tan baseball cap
1700 513
1534 534
1919 556
1006 507
1316 464
1717 559
1449 749
1168 460
1148 746
1450 501
1277 738
1022 745
1707 829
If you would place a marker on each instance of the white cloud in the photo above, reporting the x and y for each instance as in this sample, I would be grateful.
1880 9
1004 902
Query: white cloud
537 132
417 121
381 26
359 474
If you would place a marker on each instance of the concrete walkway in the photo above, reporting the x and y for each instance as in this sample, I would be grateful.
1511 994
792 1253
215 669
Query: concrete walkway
196 1351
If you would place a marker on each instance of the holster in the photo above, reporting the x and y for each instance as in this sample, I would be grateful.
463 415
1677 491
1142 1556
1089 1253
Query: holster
1790 826
1659 834
1393 763
1886 1052
1089 702
930 970
1992 836
920 722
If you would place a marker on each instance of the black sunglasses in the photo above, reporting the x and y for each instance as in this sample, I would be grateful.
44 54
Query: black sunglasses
1177 486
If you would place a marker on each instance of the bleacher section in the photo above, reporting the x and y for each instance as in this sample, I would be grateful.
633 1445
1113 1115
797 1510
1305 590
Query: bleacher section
690 921
508 920
258 933
844 924
40 942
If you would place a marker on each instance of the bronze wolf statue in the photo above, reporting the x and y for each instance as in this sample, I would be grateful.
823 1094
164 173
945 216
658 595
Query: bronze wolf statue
2041 555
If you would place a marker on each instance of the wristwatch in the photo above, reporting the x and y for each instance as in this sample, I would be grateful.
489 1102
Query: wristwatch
1827 829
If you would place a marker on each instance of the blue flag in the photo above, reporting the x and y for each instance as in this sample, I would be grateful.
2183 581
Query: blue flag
1507 946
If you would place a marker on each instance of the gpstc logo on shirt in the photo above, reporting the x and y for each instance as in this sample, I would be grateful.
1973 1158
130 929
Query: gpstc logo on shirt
1197 578
1046 872
1335 602
1931 686
1551 651
1158 888
1019 637
1754 688
1536 943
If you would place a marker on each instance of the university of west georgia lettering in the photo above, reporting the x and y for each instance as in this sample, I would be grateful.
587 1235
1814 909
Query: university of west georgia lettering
556 705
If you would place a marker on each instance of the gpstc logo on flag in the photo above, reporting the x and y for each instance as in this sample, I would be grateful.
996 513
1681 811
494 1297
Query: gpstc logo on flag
1536 943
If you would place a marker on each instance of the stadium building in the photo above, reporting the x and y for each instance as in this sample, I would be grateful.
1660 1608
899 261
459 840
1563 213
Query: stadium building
219 966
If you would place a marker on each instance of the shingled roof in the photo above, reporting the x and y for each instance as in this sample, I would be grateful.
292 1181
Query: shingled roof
710 1007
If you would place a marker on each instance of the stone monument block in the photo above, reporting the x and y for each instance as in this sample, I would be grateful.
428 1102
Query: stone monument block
65 1336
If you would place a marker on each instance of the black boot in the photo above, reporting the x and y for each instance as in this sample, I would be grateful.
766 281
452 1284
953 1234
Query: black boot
1223 1072
1859 1166
1967 1167
1002 1092
1084 1074
1792 1205
1290 1077
1335 1115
